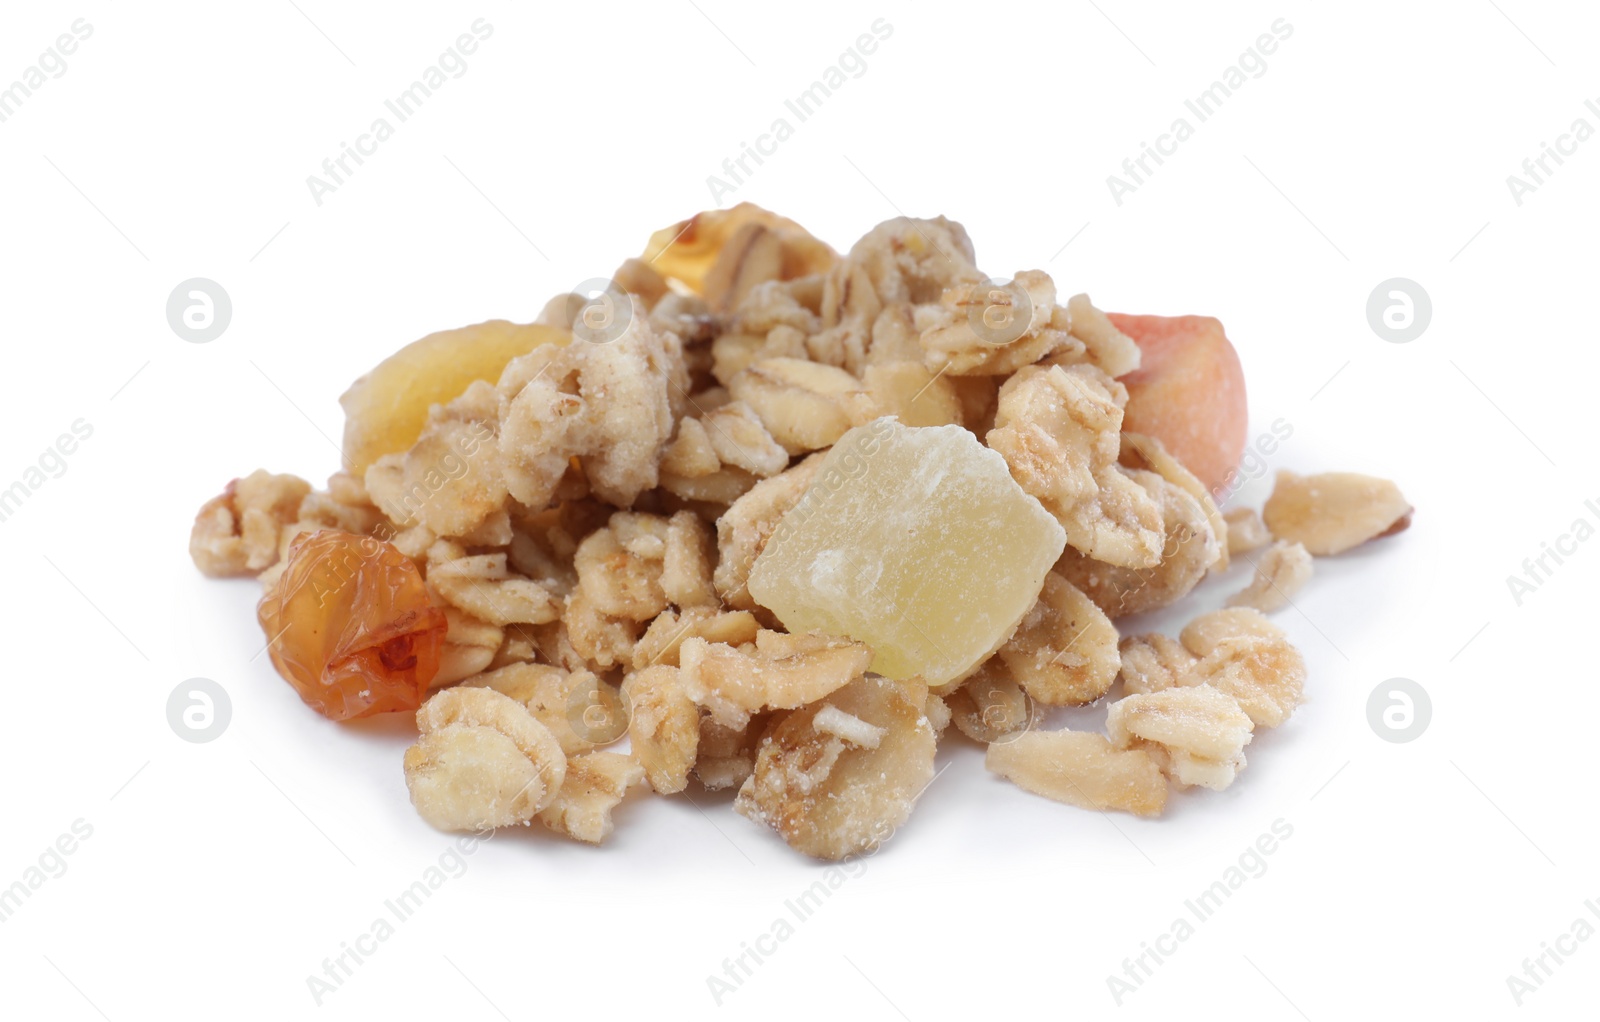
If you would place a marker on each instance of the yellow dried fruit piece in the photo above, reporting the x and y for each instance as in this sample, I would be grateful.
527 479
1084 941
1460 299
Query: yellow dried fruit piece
916 541
1081 769
689 249
1334 511
386 409
829 797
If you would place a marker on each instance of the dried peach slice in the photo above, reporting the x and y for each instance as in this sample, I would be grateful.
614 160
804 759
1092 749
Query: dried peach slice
386 408
1188 392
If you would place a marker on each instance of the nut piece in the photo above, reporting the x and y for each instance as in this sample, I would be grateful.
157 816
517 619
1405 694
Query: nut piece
482 761
782 672
830 798
1246 530
1189 549
1058 429
663 726
596 782
1151 663
1081 769
1065 650
1280 573
990 706
238 532
1335 511
805 406
1202 731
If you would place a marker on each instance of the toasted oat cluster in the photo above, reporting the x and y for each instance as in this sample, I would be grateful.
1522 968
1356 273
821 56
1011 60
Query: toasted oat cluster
764 518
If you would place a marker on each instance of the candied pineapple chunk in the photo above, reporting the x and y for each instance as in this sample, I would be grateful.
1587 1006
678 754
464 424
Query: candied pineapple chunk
1081 769
915 541
829 794
386 409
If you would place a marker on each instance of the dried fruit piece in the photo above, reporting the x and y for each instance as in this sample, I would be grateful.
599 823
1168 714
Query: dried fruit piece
1280 573
1081 769
482 761
596 783
385 409
1202 730
1065 650
1335 511
989 706
1058 430
663 726
830 798
915 541
690 249
1188 391
350 626
1246 530
238 532
781 672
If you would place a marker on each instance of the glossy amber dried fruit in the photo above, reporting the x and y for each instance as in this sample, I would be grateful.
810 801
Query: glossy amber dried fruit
350 626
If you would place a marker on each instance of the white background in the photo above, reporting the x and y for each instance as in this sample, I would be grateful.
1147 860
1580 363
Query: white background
1377 144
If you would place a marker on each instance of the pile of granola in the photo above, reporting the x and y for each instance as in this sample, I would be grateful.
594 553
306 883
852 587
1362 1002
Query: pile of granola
544 540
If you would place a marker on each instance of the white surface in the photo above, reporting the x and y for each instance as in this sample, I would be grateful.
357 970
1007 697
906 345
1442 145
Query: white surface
220 876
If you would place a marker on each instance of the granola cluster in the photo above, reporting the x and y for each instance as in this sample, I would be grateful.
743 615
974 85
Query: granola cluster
584 511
